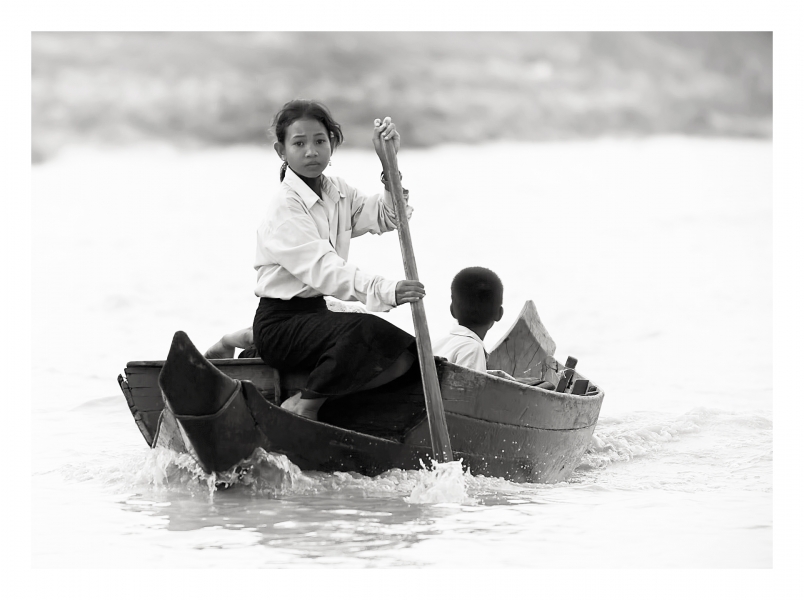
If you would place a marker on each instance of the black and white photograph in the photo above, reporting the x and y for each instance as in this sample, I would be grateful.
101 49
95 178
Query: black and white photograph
365 299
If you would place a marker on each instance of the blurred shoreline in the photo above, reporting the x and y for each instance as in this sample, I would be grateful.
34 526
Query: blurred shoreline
195 90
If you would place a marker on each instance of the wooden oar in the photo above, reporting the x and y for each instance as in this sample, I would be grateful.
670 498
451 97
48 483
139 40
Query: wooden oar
442 451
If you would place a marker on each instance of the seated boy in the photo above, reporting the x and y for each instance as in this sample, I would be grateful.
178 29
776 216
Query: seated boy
477 295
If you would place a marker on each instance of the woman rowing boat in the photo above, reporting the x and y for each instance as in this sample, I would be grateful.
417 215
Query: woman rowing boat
302 250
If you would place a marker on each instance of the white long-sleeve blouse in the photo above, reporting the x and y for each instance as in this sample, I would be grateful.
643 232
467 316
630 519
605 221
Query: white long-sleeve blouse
303 243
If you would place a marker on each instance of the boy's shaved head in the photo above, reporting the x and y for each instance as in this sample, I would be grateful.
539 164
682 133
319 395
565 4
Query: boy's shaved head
477 295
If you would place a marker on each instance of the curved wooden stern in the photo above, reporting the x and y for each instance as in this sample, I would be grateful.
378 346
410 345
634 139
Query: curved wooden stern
503 428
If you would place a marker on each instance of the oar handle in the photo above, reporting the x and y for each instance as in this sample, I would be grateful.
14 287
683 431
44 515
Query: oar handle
442 450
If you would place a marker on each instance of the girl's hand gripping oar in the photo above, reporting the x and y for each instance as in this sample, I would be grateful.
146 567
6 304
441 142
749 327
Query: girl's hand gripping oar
442 451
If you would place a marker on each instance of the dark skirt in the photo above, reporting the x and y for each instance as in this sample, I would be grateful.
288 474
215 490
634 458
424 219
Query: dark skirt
342 351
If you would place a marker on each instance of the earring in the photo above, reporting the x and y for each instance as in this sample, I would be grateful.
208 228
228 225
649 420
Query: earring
330 162
282 169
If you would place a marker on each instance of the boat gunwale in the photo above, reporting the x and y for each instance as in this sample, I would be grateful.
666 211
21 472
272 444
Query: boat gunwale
530 388
214 361
458 368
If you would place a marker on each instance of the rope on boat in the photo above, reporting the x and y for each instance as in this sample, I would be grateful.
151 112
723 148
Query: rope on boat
217 413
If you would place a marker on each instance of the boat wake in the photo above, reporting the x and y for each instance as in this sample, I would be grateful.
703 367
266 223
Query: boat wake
637 435
643 447
643 433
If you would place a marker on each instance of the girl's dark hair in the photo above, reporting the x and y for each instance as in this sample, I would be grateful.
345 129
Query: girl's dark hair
305 109
477 295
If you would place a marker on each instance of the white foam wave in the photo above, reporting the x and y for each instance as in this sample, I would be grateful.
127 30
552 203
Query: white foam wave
641 433
629 440
169 470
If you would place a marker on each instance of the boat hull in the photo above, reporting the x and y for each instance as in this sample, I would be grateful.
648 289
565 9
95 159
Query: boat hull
497 427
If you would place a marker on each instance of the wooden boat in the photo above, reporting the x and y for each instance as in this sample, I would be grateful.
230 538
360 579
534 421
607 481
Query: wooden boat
221 410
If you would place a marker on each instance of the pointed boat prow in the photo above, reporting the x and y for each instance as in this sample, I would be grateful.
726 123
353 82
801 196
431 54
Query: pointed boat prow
190 383
209 407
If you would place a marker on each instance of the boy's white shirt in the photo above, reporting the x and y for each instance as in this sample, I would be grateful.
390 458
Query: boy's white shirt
303 243
463 347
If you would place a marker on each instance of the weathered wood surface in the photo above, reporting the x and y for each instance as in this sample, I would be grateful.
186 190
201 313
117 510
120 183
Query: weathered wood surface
526 349
498 400
512 452
146 423
390 414
140 373
463 391
310 445
313 445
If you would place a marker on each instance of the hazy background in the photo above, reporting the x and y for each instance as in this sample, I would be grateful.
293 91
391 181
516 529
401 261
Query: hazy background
623 182
215 89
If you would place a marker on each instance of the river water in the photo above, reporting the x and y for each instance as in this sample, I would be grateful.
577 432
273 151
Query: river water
649 260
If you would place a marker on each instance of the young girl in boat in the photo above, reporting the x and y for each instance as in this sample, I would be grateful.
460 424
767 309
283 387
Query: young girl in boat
302 250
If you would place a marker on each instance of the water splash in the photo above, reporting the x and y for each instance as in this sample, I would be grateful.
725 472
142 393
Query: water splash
444 482
272 475
166 469
617 440
266 473
263 473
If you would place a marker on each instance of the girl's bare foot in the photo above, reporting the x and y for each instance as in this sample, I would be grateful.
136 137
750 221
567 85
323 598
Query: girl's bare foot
305 407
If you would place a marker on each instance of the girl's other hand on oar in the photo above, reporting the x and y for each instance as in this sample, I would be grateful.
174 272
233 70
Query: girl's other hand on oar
385 130
409 290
